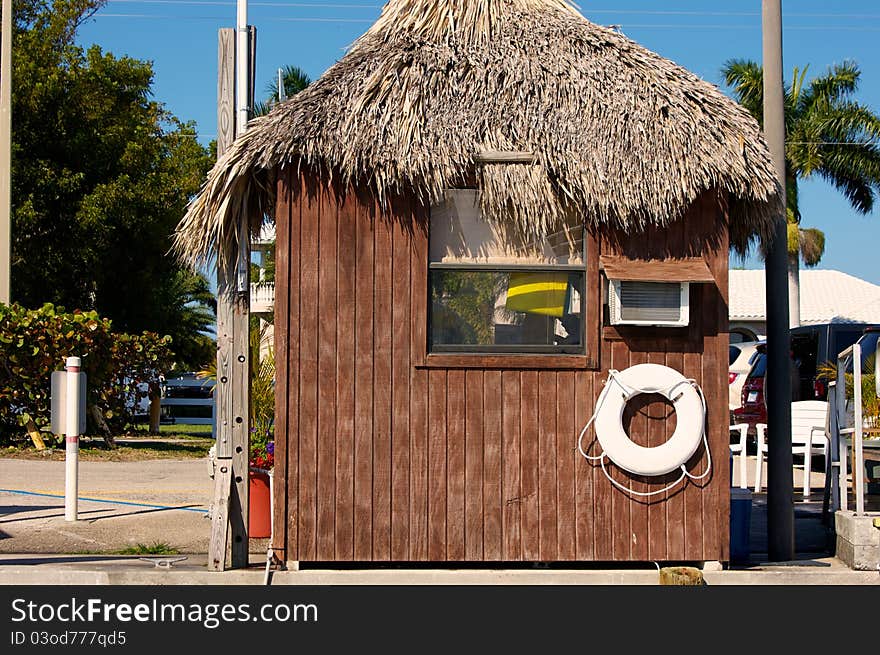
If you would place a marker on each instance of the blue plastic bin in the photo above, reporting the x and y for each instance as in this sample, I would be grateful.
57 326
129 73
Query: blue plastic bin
740 524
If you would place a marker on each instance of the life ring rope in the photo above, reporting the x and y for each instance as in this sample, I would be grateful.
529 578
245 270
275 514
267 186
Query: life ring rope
628 393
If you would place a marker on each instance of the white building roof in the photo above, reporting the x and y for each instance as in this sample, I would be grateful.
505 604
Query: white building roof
265 238
826 296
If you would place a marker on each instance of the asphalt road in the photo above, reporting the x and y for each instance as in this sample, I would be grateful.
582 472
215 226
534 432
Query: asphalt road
122 504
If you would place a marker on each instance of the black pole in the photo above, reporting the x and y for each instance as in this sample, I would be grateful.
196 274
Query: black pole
780 483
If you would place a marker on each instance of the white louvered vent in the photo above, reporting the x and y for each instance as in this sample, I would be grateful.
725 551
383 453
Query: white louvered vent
648 303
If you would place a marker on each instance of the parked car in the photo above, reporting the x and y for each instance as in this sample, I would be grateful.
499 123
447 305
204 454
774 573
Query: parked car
752 407
742 356
811 346
815 345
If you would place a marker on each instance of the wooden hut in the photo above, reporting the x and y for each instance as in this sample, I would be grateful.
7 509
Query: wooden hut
462 204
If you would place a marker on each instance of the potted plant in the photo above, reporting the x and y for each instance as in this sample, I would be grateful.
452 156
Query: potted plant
260 462
262 451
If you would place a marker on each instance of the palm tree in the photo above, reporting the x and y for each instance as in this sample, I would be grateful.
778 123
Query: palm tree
828 134
293 80
189 315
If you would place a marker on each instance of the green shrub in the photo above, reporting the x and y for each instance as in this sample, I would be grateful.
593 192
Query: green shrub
36 342
870 401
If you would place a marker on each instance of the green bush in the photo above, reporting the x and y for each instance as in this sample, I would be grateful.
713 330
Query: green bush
870 401
36 342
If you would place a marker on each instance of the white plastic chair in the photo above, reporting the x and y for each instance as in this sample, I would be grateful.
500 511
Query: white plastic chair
808 437
740 447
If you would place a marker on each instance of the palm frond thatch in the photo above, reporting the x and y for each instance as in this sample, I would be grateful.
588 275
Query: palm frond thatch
620 135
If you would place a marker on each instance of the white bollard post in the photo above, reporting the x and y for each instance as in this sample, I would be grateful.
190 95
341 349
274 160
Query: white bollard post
71 482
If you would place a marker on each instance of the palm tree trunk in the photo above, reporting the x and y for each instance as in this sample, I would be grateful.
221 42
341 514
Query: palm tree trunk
794 291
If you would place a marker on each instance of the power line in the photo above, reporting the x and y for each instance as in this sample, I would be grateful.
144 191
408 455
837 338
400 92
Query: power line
756 26
637 12
871 142
625 26
673 12
228 3
275 18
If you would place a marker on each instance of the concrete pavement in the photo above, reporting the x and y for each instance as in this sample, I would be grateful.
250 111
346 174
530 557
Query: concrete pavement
133 503
63 570
129 503
167 501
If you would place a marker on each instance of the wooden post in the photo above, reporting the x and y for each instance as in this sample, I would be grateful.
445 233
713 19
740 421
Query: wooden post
220 516
232 393
222 486
240 380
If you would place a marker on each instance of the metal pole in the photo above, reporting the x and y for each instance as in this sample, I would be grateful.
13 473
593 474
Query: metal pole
840 399
780 483
242 68
858 474
242 110
5 151
71 461
833 470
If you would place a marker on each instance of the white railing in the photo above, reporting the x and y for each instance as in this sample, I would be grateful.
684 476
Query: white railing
262 297
855 430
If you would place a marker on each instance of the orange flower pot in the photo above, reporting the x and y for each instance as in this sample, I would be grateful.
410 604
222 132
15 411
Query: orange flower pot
260 505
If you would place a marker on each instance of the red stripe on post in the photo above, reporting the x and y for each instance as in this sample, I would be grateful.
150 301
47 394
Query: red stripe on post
72 439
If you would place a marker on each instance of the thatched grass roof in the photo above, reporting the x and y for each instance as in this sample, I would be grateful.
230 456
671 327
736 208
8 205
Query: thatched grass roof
620 135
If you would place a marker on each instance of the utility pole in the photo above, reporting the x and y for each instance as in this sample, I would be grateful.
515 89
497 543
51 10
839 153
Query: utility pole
282 92
6 153
232 392
780 483
242 69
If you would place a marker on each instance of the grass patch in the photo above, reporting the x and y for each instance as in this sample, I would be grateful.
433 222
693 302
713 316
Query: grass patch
176 430
128 450
173 442
156 548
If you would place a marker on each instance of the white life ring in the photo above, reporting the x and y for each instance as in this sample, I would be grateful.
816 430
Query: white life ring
690 415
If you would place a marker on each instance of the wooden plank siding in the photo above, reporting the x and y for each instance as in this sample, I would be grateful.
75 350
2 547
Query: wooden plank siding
382 389
327 388
384 455
346 263
361 323
309 329
282 377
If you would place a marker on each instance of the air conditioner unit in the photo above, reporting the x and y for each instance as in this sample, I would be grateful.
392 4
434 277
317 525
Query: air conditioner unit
648 303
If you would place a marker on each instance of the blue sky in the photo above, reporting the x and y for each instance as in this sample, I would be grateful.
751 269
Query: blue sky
180 38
